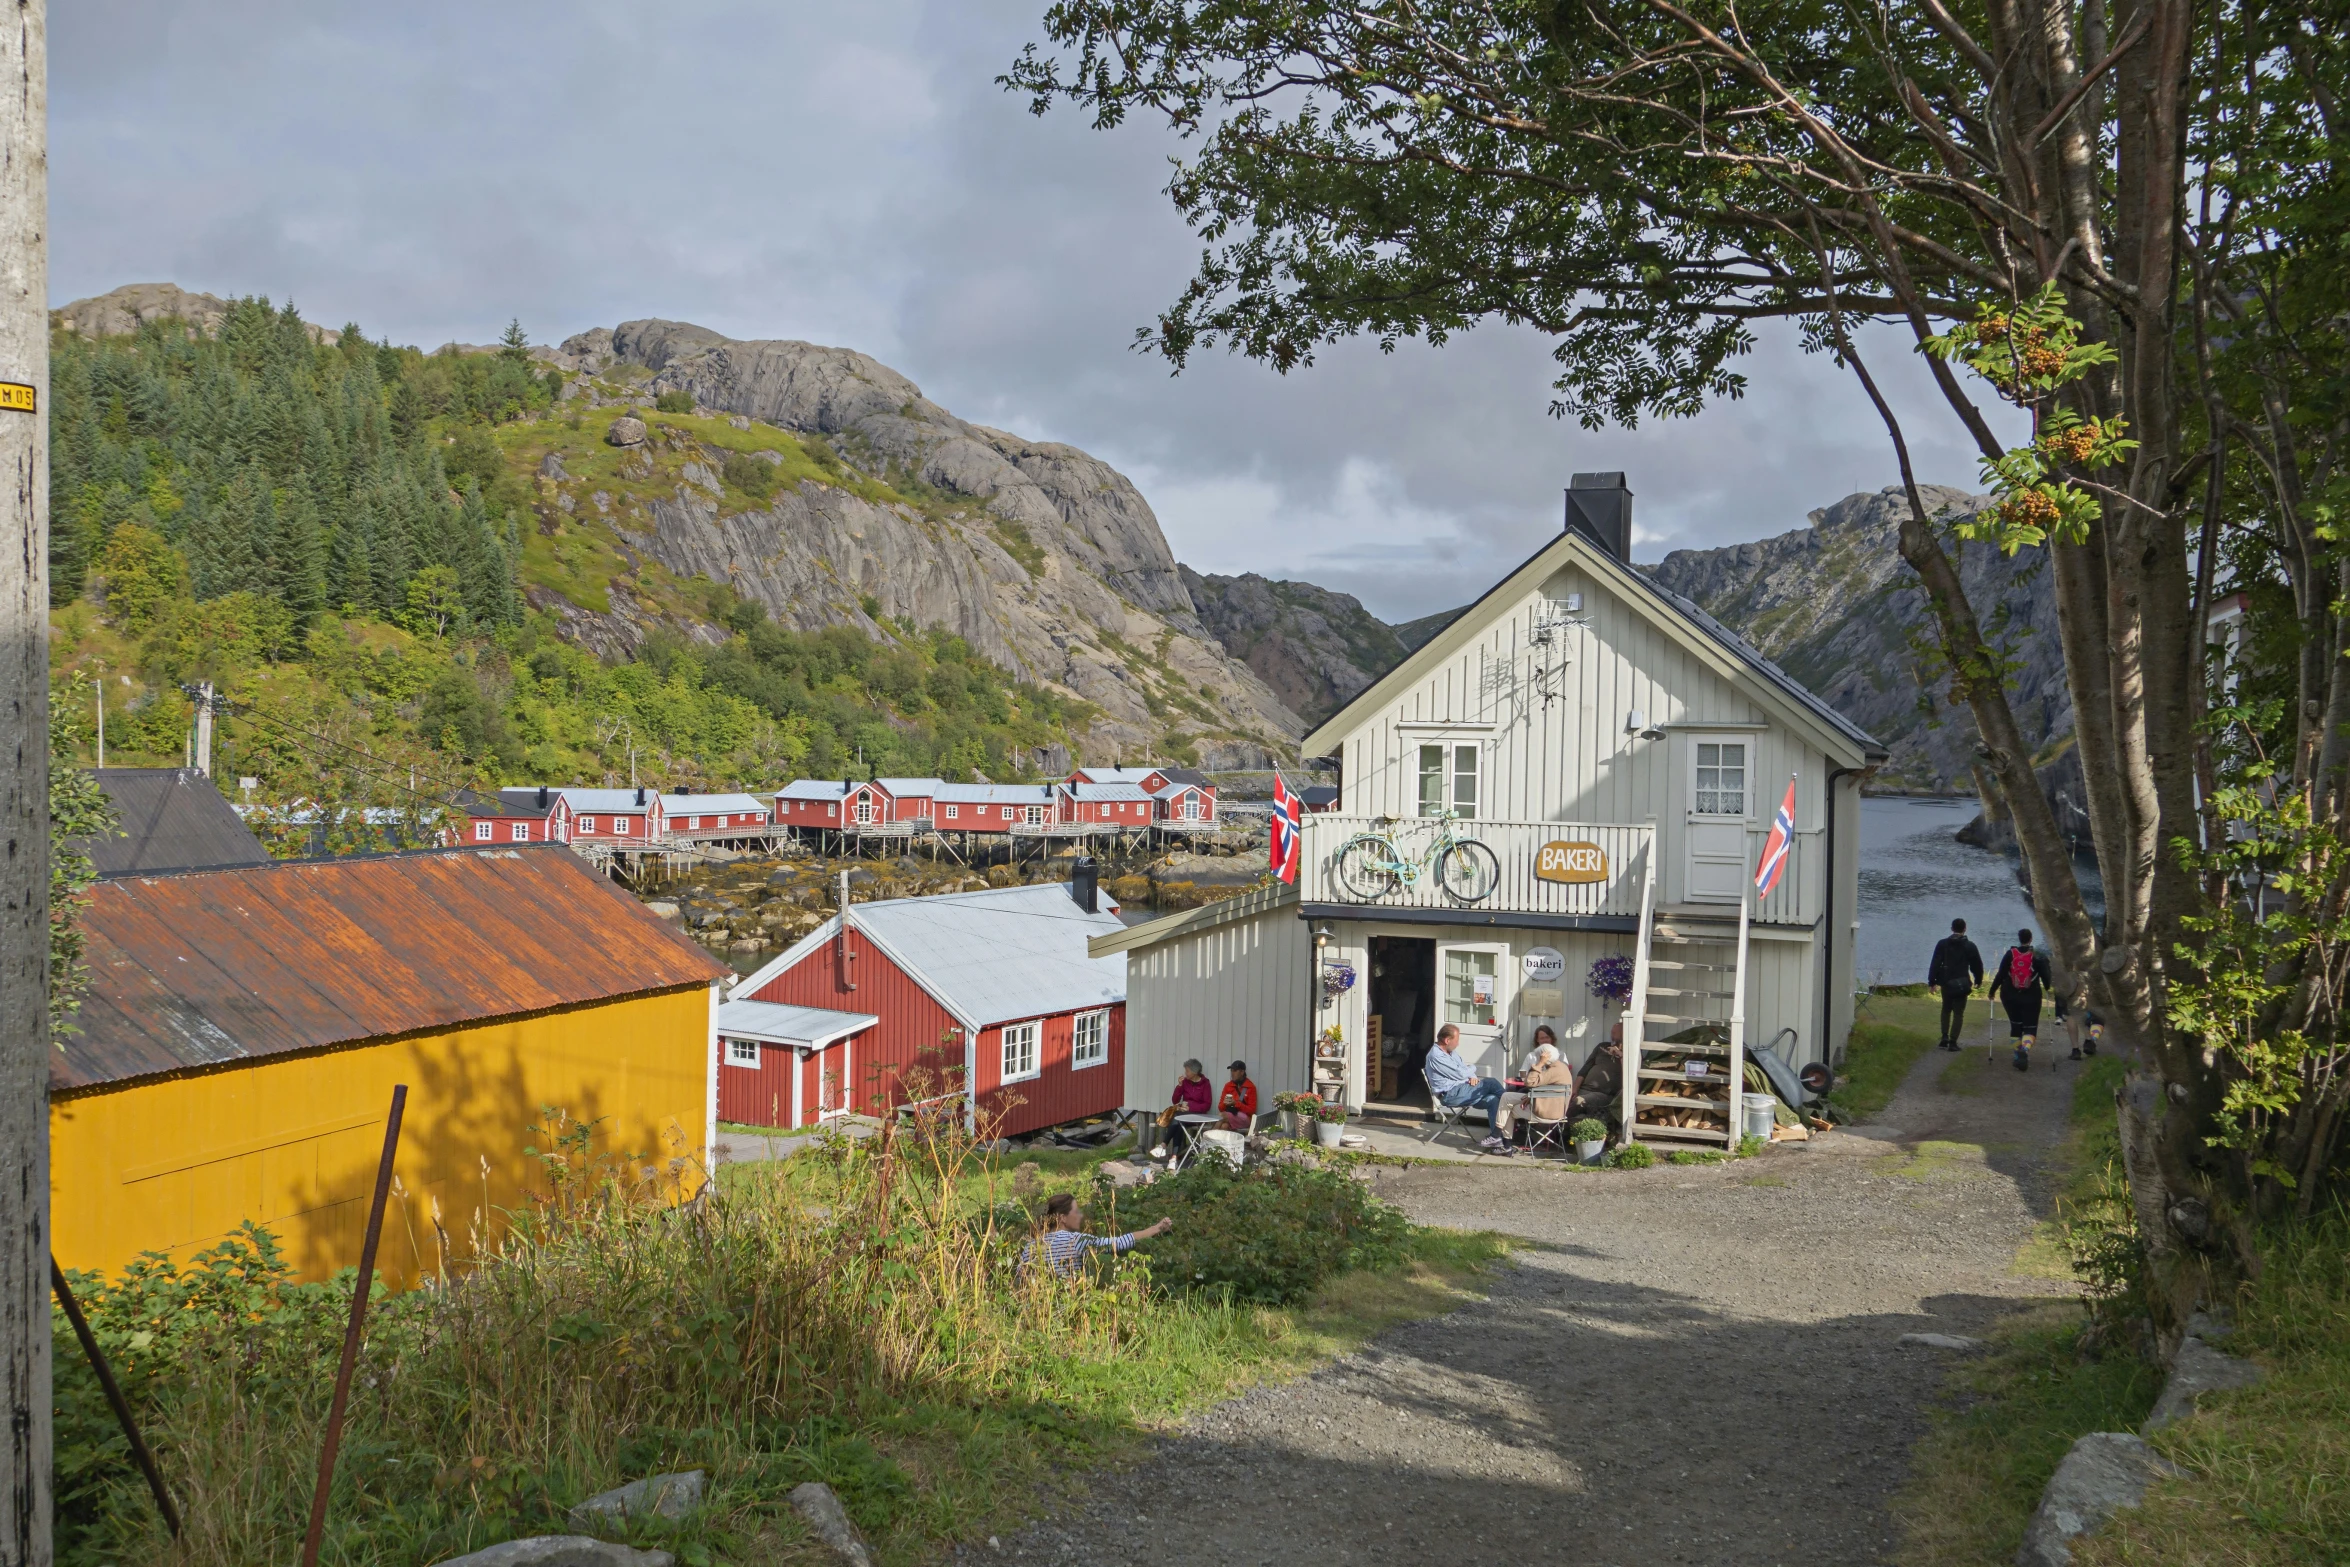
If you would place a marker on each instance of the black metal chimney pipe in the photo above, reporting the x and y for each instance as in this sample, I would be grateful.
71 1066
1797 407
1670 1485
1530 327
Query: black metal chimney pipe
1600 508
1085 884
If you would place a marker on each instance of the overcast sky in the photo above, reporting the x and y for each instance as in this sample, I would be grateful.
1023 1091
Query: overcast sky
850 174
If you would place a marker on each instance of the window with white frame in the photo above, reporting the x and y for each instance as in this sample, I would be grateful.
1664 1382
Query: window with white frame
520 832
1448 779
1090 1044
864 808
954 812
742 1052
1721 778
1035 815
587 824
482 831
1191 807
1007 813
621 824
1019 1052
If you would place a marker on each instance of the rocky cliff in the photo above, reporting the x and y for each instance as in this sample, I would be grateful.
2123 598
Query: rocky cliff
1315 648
1045 559
1836 605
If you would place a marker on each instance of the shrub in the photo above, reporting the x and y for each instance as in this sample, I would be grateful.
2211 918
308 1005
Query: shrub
674 402
1269 1234
1748 1147
1588 1130
1696 1156
751 475
1632 1156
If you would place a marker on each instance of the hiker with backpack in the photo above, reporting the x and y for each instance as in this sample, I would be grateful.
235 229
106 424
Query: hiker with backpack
2018 984
1955 971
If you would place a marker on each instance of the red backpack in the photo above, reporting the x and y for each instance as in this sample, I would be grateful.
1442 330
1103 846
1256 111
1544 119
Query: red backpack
2019 968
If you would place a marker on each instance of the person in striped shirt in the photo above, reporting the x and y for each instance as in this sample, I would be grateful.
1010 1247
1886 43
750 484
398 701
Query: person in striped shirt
1063 1243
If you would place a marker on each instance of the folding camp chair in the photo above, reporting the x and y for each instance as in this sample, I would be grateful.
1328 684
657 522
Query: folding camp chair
1542 1129
1440 1116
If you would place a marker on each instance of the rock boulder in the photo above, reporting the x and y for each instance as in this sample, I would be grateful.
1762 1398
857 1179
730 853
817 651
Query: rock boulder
2104 1472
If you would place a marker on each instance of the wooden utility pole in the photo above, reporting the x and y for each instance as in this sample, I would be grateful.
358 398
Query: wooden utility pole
24 782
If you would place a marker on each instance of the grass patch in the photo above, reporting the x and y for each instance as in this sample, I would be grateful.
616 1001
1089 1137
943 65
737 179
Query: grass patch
1888 1036
853 1314
1977 1475
2268 1466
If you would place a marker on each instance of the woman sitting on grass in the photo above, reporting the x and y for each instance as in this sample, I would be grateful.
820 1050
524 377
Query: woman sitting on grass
1063 1243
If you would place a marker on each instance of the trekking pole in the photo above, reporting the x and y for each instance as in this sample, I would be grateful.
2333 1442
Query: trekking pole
334 1414
121 1405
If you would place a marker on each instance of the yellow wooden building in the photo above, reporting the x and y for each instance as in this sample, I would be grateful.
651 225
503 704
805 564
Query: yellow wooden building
235 1054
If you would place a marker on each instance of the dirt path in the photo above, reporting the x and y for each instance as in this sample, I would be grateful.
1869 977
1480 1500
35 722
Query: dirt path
1690 1365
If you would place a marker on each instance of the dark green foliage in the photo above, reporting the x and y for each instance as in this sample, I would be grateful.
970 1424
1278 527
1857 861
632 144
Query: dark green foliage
674 402
749 475
238 1297
1270 1234
288 470
457 716
1632 1156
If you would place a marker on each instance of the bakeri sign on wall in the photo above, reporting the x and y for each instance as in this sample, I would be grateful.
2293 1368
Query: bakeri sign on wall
1573 863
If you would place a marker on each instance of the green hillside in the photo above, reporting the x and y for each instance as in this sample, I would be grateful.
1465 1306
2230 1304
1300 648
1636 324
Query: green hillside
349 541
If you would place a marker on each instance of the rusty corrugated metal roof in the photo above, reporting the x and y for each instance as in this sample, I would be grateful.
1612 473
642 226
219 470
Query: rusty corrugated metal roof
208 967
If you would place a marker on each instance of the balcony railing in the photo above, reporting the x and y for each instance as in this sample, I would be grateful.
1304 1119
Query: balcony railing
1518 852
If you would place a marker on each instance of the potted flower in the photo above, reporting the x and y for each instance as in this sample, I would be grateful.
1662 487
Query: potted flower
1589 1136
1610 979
1297 1112
1329 1124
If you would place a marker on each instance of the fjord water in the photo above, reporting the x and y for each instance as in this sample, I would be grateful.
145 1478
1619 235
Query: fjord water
1916 877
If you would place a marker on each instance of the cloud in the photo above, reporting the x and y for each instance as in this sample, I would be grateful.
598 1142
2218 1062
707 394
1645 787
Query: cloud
853 175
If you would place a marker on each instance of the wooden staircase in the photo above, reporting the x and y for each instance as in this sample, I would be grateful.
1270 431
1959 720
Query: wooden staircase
1685 1025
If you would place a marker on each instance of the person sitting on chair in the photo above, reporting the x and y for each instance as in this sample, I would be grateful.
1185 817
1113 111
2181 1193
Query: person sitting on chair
1454 1083
1063 1243
1238 1102
1550 1083
1601 1091
1193 1094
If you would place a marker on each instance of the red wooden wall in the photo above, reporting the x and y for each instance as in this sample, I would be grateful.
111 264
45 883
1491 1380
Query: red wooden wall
910 1040
1056 1093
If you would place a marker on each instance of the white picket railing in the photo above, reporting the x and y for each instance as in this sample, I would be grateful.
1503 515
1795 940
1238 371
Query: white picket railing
1517 849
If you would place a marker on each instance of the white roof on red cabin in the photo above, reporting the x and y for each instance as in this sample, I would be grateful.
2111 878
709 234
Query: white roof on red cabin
910 788
1170 791
814 789
995 794
710 804
994 956
601 800
1091 792
1115 775
775 1024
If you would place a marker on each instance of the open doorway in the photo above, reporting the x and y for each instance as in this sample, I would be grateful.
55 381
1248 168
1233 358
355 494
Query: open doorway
1403 998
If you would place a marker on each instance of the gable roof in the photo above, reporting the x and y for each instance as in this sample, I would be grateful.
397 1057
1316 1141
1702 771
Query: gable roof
913 788
708 804
1731 655
1108 775
210 968
995 956
171 819
773 1023
1246 905
995 794
1105 791
598 800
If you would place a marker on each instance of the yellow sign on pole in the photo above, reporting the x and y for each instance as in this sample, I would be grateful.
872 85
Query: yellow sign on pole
1573 863
17 395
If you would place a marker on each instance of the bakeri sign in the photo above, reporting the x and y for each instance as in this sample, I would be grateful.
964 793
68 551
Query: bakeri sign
1573 863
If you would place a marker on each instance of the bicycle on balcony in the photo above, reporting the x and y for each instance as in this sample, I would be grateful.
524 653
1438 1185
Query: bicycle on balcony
1372 866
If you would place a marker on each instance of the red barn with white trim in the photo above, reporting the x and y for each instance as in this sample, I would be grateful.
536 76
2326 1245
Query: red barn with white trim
991 989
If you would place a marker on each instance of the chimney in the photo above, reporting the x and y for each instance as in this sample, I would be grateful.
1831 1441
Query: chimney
1600 508
542 797
1085 884
640 797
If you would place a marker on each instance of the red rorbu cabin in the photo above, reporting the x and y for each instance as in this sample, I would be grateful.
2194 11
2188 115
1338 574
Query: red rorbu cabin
993 990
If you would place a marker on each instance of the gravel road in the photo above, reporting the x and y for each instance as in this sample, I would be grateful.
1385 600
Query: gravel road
1686 1365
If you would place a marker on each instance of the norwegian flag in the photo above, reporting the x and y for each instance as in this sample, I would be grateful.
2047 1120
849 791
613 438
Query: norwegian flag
1775 847
1285 819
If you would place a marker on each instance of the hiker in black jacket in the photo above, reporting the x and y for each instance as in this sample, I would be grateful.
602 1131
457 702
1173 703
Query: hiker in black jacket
1956 970
2019 982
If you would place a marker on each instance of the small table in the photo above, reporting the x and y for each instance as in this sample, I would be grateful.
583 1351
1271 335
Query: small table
1196 1124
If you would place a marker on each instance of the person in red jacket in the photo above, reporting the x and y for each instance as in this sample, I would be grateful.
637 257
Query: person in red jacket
1238 1102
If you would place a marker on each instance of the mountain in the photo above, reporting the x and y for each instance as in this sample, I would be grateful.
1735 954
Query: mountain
1838 608
885 511
1315 648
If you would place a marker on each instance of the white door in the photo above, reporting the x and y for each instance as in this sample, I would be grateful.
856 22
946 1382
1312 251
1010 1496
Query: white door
1719 794
1473 990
